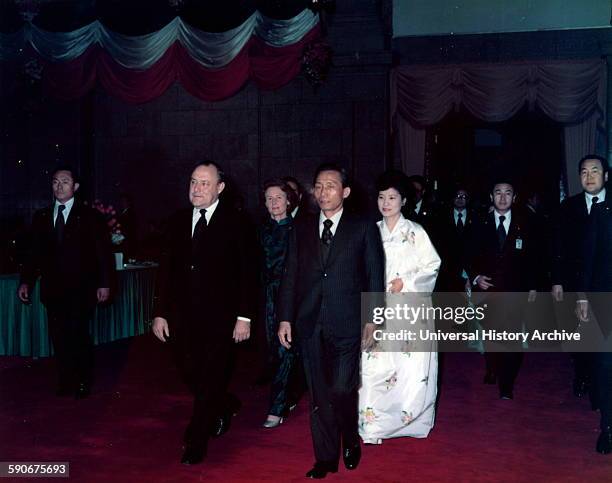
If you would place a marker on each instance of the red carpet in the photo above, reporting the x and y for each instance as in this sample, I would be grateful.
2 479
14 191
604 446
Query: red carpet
130 429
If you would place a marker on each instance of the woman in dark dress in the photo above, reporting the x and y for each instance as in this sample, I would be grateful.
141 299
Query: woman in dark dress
273 238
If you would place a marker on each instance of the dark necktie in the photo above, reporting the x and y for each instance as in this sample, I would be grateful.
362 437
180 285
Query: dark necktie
326 238
594 201
501 232
60 224
460 222
199 228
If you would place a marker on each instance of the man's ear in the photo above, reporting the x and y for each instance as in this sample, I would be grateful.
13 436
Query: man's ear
606 177
346 192
220 187
76 186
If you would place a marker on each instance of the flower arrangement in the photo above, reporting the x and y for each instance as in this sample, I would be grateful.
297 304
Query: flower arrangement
110 216
316 61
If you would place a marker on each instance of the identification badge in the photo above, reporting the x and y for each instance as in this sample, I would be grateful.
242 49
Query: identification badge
518 244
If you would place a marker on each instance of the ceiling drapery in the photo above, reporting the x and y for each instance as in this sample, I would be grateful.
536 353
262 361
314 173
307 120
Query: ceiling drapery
572 93
211 65
567 92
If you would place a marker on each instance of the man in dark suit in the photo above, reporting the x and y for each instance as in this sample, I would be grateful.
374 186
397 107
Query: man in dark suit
298 209
452 231
202 299
596 280
502 260
421 212
332 258
71 251
570 227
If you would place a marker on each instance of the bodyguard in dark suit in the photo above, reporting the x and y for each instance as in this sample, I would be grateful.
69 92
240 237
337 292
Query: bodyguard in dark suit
332 258
570 228
596 281
502 260
301 207
202 300
71 252
421 211
451 234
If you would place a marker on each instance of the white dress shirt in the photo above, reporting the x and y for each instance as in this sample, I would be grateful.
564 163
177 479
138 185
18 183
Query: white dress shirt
463 215
508 216
335 219
417 207
197 215
66 211
601 197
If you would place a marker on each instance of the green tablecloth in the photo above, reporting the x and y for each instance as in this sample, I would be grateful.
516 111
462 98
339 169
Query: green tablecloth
23 328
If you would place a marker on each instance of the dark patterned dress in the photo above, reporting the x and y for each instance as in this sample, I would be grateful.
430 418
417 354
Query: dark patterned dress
273 237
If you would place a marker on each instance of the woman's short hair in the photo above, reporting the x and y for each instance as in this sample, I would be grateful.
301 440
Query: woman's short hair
394 179
279 183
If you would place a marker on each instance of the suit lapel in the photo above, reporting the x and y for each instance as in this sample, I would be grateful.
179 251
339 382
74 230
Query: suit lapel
582 206
340 238
216 216
73 217
513 232
492 231
316 241
49 222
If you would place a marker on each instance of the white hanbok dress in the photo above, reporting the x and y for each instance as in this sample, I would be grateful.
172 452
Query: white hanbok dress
398 389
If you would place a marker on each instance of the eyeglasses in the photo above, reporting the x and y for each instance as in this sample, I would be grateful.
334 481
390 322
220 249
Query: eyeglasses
461 196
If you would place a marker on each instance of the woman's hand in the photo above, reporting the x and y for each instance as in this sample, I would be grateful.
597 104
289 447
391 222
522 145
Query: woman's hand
396 285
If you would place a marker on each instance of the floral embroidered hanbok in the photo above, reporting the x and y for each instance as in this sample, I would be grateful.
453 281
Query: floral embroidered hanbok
399 386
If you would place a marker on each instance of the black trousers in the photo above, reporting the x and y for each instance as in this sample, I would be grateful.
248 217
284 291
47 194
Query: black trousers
203 360
69 329
603 381
506 366
331 365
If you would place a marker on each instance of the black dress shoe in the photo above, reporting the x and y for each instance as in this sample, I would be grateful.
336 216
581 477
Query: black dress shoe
489 378
604 442
82 391
352 456
320 470
193 455
506 395
222 425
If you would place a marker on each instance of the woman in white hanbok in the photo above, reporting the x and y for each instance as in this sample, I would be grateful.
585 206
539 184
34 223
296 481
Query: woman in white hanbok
399 385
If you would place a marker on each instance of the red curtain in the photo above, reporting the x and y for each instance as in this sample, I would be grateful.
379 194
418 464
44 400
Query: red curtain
269 67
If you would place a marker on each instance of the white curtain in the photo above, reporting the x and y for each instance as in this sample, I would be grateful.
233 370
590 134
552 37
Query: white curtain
212 50
580 139
571 92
